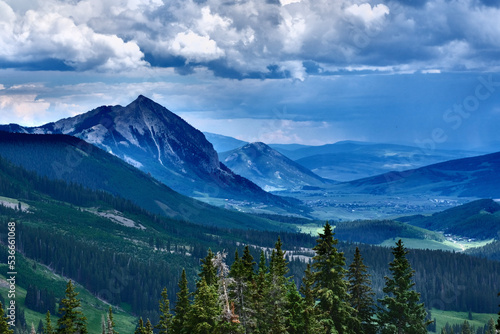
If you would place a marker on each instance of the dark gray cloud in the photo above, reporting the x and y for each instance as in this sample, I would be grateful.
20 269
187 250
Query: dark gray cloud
246 39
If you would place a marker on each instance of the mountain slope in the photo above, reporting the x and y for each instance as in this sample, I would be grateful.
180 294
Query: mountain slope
155 140
350 160
270 169
73 160
477 219
467 177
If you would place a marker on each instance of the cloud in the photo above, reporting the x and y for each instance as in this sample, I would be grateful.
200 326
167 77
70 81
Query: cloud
25 108
195 48
250 39
41 35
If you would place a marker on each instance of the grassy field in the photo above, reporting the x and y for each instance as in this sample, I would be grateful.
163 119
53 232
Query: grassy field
92 307
478 319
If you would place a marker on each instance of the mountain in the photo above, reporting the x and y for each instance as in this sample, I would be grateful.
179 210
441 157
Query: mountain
223 143
475 177
155 140
477 219
350 160
270 169
63 157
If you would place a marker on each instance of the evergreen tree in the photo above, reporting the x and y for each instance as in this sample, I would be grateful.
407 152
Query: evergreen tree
40 327
248 264
165 324
361 294
497 326
330 286
208 271
490 329
148 329
466 328
203 314
48 324
72 320
140 327
311 317
277 285
258 294
4 322
401 311
33 331
179 322
295 311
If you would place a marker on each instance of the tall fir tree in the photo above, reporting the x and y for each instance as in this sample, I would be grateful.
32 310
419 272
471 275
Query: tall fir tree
33 330
490 328
208 271
148 329
182 306
4 322
295 323
330 287
248 264
361 294
311 314
72 320
277 289
401 311
165 324
497 326
48 329
140 327
204 311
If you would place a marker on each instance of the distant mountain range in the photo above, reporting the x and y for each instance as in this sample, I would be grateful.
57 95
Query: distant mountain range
270 169
351 160
223 143
155 140
467 177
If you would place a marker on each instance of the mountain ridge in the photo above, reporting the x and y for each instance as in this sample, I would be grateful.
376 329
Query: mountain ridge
270 169
157 141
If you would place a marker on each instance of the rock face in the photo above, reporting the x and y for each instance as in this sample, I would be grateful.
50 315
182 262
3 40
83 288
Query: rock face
155 140
270 169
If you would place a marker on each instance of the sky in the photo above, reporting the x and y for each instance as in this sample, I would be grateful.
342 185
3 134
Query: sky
418 72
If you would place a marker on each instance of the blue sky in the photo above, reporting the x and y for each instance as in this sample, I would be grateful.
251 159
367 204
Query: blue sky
421 72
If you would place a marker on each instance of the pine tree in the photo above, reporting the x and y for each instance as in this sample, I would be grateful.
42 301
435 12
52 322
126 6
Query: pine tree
490 329
277 285
466 328
330 286
259 321
179 322
401 311
40 327
203 314
48 324
72 320
497 326
248 264
4 322
295 323
311 314
361 294
165 324
140 327
33 331
148 329
208 271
